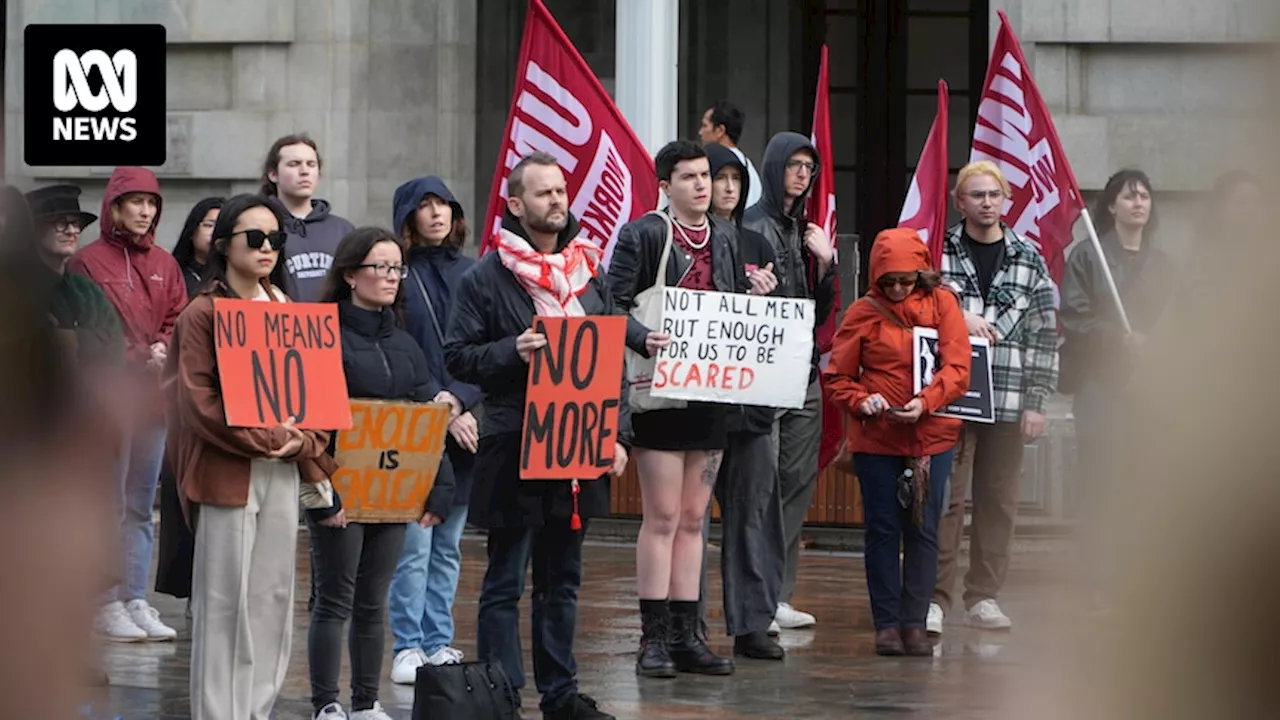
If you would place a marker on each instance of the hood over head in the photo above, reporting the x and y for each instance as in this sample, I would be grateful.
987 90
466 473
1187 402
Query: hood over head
720 157
125 180
898 250
409 195
571 229
773 193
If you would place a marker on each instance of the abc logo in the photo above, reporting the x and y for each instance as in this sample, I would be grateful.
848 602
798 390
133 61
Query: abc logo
71 90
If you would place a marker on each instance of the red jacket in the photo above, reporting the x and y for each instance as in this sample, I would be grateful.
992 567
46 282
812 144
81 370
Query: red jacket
142 281
873 354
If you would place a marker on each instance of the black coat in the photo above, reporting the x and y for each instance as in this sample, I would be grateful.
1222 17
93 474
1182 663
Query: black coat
383 362
638 253
490 310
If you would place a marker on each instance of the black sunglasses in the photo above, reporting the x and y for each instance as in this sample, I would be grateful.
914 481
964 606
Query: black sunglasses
254 238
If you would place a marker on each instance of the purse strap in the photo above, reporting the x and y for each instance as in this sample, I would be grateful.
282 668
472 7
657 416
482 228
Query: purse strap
885 312
431 308
661 281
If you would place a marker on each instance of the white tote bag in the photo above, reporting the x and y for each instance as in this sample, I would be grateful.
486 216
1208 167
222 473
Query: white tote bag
648 311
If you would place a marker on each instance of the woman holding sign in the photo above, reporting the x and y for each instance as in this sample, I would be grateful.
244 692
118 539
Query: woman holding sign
355 561
901 452
240 486
674 447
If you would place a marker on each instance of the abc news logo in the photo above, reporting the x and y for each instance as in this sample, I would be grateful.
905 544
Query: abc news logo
95 95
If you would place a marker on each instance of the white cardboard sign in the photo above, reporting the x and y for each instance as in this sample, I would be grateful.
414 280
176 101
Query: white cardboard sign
735 349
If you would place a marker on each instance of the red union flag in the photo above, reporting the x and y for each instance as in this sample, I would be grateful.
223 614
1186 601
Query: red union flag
925 209
560 107
1015 131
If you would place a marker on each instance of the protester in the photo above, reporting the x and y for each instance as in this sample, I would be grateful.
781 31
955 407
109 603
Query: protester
177 544
902 452
805 268
540 267
289 176
677 450
1099 357
144 284
431 225
357 559
1007 296
722 125
240 486
753 547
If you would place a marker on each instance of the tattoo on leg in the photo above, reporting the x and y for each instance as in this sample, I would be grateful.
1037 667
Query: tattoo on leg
712 470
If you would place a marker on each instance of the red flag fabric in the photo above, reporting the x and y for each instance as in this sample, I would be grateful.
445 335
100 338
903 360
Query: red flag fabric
925 209
821 210
560 107
1015 131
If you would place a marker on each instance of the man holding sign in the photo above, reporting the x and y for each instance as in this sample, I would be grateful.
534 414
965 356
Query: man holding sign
541 268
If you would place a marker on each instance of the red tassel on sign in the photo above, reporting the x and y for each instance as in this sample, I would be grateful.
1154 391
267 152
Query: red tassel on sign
575 522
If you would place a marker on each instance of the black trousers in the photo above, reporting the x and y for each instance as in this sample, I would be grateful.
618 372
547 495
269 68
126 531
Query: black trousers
353 571
177 546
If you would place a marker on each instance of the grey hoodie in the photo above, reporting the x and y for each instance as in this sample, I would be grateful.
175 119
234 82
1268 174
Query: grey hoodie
309 249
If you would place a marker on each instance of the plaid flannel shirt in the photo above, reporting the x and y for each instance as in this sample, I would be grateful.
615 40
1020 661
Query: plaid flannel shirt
1019 306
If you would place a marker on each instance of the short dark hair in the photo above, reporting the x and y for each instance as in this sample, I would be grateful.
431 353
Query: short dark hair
273 158
515 180
349 256
184 251
674 153
727 114
216 279
1128 178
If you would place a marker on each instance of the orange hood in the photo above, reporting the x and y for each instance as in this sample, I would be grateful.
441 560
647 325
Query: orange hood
899 250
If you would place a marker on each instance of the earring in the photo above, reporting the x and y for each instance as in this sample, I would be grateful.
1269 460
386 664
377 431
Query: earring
353 286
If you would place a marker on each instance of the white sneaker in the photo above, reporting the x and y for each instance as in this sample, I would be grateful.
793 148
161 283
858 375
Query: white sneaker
114 624
404 671
774 630
332 711
987 616
374 713
148 618
789 618
445 656
933 623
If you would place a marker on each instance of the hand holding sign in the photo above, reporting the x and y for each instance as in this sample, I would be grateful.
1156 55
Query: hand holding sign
528 341
655 341
763 281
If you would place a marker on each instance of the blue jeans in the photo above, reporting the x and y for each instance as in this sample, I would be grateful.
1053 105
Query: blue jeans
900 596
140 464
426 580
556 552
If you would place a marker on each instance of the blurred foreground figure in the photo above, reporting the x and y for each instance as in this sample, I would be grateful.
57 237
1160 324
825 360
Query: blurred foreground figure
51 576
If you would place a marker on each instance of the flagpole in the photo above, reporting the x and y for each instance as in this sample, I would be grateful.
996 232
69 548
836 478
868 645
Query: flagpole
1106 270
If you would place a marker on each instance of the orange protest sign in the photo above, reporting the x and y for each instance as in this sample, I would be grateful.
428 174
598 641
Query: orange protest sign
389 459
571 401
280 360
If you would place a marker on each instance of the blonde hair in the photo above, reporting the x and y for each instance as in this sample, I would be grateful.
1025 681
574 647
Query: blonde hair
979 169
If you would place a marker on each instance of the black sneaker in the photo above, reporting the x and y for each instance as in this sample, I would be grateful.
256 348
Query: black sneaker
581 707
759 646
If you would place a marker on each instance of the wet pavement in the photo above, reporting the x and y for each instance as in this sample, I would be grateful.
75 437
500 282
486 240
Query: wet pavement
831 671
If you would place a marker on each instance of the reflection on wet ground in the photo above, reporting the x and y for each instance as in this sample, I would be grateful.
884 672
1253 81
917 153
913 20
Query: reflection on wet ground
831 671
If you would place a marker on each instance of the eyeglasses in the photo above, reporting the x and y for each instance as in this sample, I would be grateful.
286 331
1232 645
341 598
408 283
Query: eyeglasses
810 167
983 195
255 238
384 270
906 282
67 226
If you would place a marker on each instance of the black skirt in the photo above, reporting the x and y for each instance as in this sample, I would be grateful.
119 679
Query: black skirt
176 543
700 426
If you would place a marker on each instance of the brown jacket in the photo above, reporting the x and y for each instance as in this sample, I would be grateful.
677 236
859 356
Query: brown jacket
211 460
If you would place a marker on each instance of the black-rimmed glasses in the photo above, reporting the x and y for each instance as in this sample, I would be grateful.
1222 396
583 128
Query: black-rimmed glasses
384 270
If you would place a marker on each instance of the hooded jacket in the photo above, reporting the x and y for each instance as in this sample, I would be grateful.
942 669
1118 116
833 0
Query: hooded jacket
437 270
754 252
142 281
784 230
872 354
490 310
309 249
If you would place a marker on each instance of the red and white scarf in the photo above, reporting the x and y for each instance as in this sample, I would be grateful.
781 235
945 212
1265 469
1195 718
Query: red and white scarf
553 280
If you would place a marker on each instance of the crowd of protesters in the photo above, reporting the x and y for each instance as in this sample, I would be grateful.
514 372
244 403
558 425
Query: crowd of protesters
422 321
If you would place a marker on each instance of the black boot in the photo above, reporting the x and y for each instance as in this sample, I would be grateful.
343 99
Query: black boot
758 645
688 651
655 622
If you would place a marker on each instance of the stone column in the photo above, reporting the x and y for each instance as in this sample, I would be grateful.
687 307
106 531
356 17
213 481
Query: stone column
648 33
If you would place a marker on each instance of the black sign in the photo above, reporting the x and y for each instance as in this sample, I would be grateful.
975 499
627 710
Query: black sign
94 95
978 404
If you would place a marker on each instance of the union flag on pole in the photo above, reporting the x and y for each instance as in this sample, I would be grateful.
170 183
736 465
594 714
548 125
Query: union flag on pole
560 107
1015 131
925 209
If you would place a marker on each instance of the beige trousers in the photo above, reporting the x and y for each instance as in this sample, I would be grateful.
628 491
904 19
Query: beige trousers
242 598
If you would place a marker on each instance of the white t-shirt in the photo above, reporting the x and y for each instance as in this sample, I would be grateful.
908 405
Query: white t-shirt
753 178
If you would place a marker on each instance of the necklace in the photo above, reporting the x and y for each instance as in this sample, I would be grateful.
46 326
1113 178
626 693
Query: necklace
689 241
